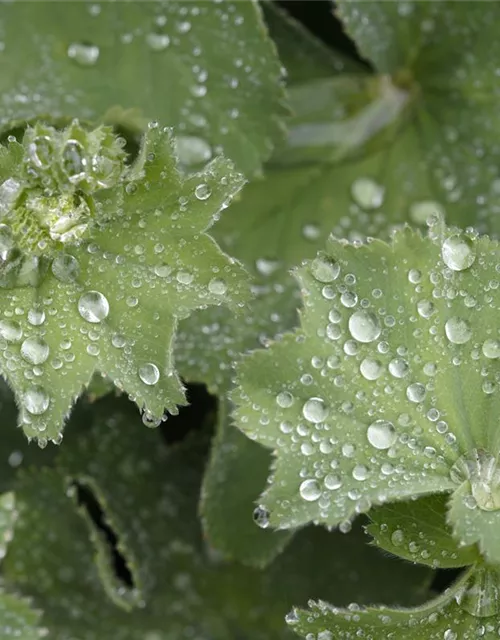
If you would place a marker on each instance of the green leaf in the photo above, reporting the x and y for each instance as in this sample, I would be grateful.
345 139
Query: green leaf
417 531
101 287
388 390
303 55
149 497
208 68
440 55
234 476
17 618
467 610
270 229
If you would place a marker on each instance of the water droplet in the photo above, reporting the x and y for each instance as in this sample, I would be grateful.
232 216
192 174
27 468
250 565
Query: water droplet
10 190
192 150
420 212
367 193
36 400
360 472
449 634
324 269
381 434
157 41
183 277
86 55
35 350
10 330
74 161
398 368
415 392
36 317
315 410
284 399
332 482
397 538
93 306
202 191
425 308
217 286
371 369
491 348
309 490
65 267
458 253
261 517
149 373
457 330
364 326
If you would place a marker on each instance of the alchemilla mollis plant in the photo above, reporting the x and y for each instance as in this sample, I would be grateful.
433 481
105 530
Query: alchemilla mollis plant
281 255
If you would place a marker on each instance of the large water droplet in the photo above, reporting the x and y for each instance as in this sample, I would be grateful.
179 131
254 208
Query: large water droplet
457 330
364 326
158 41
7 243
202 191
324 269
36 400
420 212
261 517
192 150
149 373
65 267
381 434
10 330
73 161
86 55
217 286
309 490
371 369
35 350
93 306
491 348
398 367
284 399
415 392
36 317
367 193
458 253
315 410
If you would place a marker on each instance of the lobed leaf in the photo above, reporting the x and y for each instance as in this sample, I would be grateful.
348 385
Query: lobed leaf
171 583
467 610
388 390
106 293
184 63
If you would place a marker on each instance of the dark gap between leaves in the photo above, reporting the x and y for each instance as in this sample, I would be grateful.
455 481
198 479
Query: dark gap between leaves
201 410
318 17
87 499
444 578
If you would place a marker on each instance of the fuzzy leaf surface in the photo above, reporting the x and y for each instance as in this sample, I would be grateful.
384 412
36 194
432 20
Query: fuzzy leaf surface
467 610
452 90
269 233
389 389
417 530
208 68
17 618
149 497
108 299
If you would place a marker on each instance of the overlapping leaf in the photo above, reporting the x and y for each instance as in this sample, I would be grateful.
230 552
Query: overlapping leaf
270 233
177 587
208 68
17 618
467 610
417 531
110 299
441 55
389 389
